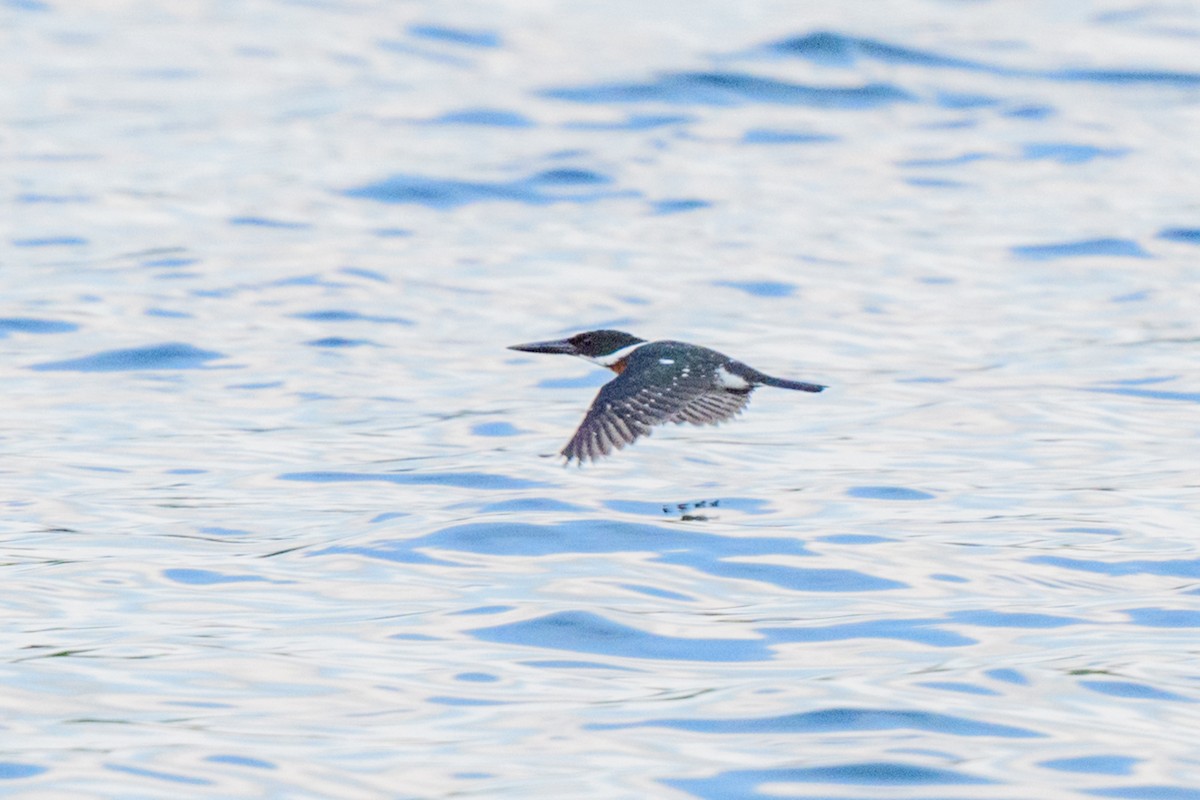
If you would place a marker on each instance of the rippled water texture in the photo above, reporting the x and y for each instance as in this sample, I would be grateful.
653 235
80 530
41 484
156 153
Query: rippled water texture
283 516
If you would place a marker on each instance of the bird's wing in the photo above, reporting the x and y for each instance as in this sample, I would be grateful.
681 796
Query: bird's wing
626 409
712 407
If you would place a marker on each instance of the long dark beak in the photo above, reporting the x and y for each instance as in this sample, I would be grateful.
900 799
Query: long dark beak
561 346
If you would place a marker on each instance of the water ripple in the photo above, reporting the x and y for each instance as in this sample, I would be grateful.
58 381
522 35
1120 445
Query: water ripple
1121 248
711 555
839 50
1094 765
745 783
1186 235
586 632
837 720
30 325
459 36
1175 568
489 117
1148 792
732 88
10 770
160 356
917 631
464 480
542 188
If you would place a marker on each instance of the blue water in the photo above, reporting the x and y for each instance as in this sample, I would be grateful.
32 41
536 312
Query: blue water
283 516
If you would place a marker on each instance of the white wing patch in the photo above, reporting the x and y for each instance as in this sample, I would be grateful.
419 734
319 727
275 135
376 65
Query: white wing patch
666 361
730 381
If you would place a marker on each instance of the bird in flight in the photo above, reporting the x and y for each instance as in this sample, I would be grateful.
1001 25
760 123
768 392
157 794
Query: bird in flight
656 383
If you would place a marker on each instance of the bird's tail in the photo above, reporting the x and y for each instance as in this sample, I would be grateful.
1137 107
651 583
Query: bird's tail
800 386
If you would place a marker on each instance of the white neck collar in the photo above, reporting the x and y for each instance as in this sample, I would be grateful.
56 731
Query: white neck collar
614 356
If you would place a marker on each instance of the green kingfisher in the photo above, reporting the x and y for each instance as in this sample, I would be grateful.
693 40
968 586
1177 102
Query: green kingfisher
656 383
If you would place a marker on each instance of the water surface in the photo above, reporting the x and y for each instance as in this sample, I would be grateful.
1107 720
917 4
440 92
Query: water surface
284 516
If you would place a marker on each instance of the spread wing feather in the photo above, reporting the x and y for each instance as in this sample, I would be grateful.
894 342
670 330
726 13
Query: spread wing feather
625 410
712 407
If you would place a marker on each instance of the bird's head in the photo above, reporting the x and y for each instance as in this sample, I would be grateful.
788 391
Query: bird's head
604 347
